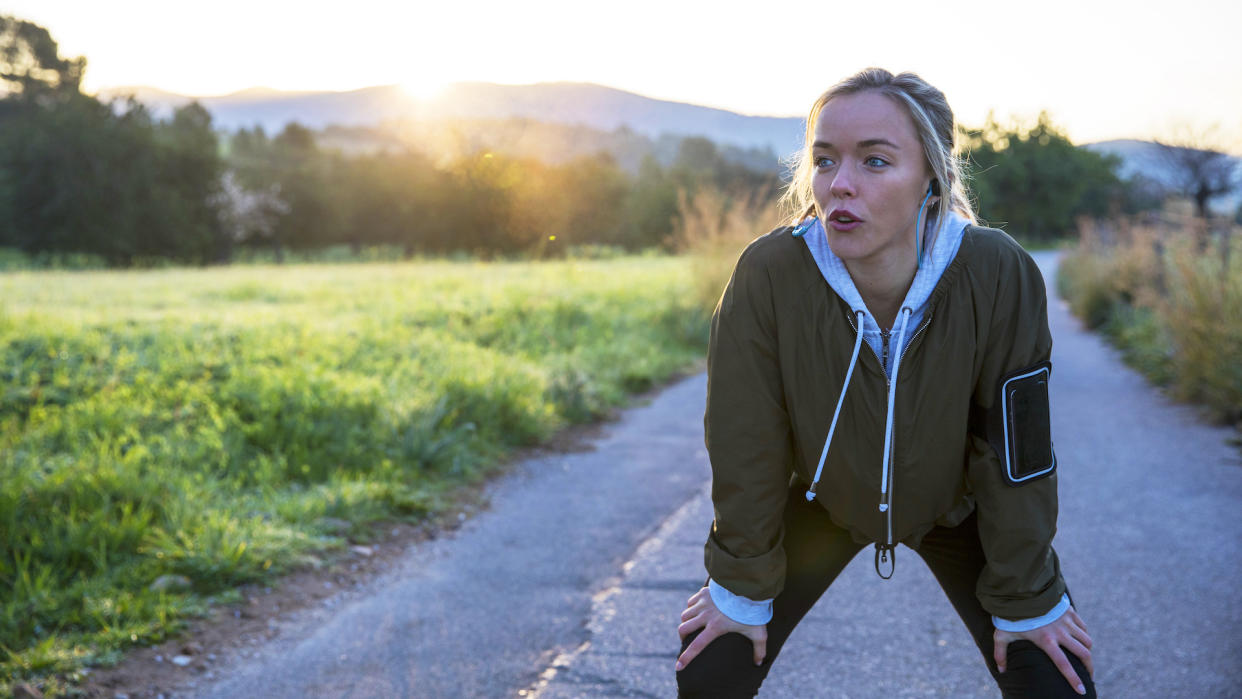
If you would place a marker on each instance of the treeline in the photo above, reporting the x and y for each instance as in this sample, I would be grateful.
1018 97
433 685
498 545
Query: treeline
78 175
81 176
1031 180
286 192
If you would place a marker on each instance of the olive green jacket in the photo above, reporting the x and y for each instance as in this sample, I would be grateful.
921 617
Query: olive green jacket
781 342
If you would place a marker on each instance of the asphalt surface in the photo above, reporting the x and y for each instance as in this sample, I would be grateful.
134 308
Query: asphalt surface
571 584
482 612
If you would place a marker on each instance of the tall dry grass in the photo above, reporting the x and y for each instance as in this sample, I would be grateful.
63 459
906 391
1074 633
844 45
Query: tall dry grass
1167 290
713 229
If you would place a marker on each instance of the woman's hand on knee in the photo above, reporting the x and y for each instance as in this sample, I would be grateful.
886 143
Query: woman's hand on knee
701 613
1067 631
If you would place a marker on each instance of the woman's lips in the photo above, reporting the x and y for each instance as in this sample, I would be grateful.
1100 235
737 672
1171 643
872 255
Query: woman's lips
844 225
843 220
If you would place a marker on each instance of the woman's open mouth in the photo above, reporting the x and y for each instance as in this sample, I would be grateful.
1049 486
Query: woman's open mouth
843 220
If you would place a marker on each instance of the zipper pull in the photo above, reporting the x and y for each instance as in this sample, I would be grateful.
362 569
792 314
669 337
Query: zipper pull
882 552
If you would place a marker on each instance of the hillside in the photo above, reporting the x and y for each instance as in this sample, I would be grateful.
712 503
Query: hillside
1145 159
574 104
553 122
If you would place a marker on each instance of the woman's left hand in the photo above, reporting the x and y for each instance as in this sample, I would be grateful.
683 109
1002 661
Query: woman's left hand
1068 631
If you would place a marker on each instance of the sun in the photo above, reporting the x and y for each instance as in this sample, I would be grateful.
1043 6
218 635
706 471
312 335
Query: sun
423 88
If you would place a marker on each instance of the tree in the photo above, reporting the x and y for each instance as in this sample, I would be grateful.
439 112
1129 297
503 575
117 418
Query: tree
248 215
71 174
189 187
79 175
30 62
304 174
31 71
1199 172
105 179
390 198
652 205
1034 180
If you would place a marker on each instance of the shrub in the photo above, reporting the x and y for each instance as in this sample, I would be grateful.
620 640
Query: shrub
1169 300
713 228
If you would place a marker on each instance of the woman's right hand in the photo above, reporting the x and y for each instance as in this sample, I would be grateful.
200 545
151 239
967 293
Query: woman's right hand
701 613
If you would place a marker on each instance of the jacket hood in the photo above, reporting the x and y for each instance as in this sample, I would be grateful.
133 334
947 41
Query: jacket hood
935 261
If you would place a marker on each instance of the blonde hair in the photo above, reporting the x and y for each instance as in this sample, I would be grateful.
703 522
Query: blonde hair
933 125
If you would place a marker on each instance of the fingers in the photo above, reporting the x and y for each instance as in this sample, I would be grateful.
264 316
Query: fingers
760 642
1079 641
758 636
1073 615
697 596
701 613
697 645
1000 647
1054 652
693 610
696 605
689 626
1080 650
1079 630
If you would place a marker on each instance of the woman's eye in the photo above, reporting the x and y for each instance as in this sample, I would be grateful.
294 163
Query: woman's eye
875 161
822 161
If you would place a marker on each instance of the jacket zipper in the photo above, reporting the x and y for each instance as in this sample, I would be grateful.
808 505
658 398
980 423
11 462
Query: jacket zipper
921 328
885 333
882 552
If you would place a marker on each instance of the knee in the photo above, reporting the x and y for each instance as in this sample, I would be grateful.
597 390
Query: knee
725 668
1031 673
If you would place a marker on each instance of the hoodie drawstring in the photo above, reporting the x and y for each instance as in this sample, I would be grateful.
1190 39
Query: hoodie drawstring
888 548
810 493
882 551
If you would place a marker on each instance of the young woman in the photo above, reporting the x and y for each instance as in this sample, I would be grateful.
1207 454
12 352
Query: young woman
935 436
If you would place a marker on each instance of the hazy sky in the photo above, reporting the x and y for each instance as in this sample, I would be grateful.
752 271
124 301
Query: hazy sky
1104 69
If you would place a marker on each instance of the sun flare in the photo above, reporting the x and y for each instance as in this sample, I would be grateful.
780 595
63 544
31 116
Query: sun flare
423 88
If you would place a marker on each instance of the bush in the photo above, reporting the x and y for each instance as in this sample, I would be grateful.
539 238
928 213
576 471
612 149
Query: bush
713 229
1203 315
1169 301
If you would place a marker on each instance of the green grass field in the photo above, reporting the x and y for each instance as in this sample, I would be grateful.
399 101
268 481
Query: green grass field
221 424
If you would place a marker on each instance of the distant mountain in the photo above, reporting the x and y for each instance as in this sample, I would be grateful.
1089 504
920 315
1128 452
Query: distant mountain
575 104
1138 158
608 108
273 109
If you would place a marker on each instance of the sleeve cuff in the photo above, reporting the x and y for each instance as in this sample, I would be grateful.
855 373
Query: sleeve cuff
1004 624
741 609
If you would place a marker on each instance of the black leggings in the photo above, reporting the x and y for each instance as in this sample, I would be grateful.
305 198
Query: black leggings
816 551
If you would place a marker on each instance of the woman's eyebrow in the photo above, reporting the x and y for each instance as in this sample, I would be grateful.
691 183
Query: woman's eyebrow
861 144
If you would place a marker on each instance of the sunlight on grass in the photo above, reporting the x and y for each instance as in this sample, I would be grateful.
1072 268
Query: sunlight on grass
209 423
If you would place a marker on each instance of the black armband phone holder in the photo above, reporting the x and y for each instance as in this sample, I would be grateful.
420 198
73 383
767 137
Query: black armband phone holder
1019 425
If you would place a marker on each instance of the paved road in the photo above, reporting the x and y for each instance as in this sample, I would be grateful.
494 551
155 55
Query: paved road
483 612
571 584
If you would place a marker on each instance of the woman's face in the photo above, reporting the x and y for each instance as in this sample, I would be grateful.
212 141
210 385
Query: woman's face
869 179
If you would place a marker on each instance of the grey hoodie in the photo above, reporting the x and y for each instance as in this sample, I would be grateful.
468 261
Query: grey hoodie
943 249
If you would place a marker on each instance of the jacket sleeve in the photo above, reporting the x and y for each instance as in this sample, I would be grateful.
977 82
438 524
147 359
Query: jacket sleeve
1022 577
748 439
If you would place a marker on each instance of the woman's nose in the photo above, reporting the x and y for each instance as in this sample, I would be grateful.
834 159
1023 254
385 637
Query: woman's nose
842 184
